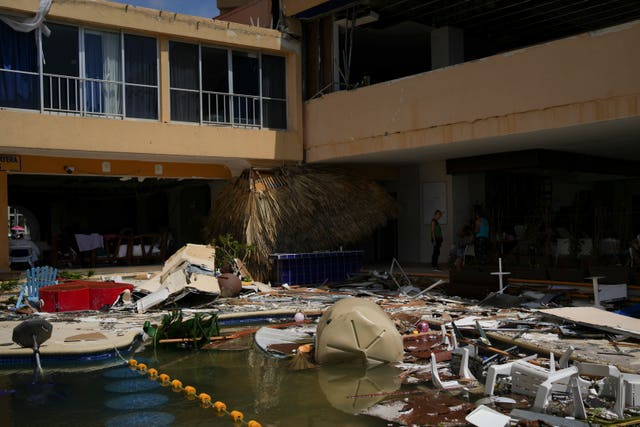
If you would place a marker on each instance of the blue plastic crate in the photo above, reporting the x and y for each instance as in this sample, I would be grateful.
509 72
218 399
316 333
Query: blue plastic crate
315 267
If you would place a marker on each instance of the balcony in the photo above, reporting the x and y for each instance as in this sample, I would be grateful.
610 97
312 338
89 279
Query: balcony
570 93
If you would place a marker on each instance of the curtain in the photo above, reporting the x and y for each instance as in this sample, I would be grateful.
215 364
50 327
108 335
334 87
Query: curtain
183 67
93 70
18 52
141 76
102 62
112 72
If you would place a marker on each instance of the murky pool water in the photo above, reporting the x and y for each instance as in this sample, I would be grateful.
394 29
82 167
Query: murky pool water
262 387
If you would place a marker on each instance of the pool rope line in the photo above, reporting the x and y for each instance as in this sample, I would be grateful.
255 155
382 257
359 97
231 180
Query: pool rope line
190 392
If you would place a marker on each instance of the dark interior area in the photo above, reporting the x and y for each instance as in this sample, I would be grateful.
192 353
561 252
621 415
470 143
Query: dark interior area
381 40
58 207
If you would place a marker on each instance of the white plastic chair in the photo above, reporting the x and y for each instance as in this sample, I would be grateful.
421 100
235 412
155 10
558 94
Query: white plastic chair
21 255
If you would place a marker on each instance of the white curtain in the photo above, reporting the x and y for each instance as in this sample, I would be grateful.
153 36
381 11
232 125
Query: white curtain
112 72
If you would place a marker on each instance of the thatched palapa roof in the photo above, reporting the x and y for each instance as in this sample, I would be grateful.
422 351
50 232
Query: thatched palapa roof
298 209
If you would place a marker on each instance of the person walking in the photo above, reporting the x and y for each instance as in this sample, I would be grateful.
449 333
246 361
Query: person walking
436 239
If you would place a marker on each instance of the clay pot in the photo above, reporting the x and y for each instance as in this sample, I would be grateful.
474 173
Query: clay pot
230 285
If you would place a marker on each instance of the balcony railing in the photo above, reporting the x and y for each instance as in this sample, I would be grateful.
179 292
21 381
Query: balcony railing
79 96
228 109
82 96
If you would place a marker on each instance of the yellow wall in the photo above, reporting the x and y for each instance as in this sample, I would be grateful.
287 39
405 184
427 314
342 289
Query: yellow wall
59 135
84 135
143 20
583 79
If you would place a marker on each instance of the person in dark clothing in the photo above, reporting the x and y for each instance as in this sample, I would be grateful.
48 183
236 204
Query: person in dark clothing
436 239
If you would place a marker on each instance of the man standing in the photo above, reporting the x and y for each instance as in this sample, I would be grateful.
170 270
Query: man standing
436 239
481 235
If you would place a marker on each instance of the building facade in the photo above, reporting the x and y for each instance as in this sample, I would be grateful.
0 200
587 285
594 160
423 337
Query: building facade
116 117
530 111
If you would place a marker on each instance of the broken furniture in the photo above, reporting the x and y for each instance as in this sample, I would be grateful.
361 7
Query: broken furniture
31 334
357 329
188 276
463 373
37 278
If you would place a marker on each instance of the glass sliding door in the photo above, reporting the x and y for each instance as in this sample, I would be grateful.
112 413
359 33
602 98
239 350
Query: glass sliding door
274 99
103 72
19 82
246 89
61 81
141 76
216 101
184 82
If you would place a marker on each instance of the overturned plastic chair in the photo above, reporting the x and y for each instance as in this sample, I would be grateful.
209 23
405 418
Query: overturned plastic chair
37 277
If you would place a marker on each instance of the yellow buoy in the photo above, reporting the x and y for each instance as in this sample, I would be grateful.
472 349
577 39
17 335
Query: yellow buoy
253 423
205 400
142 368
153 373
176 385
133 363
236 415
190 391
165 379
220 406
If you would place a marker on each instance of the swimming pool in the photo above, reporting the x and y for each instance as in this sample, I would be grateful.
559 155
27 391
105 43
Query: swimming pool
263 388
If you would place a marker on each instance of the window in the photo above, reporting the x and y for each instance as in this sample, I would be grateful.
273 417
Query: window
215 86
84 71
246 81
61 82
185 85
19 82
103 72
218 86
141 76
274 102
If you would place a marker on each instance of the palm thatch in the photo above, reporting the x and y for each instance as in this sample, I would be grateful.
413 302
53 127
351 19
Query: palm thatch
297 209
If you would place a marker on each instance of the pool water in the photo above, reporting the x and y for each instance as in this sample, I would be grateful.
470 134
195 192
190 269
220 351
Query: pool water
262 387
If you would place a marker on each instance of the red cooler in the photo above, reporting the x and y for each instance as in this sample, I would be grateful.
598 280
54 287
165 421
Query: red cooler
105 293
66 297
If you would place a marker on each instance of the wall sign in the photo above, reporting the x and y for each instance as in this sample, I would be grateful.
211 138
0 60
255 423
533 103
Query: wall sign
434 196
10 162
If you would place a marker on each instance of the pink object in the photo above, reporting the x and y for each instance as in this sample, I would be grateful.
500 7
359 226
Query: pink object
422 326
298 317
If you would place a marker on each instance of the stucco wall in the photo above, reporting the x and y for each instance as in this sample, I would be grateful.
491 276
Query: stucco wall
84 134
30 130
583 79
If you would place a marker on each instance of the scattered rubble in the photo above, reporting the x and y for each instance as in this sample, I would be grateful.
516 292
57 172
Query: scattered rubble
450 361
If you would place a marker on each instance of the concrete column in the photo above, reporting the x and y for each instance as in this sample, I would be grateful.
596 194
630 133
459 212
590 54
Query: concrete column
4 220
447 47
165 103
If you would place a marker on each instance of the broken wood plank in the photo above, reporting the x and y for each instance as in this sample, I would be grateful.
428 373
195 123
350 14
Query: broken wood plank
598 319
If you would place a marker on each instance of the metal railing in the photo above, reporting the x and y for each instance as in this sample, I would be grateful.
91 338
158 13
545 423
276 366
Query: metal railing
78 96
220 108
82 96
